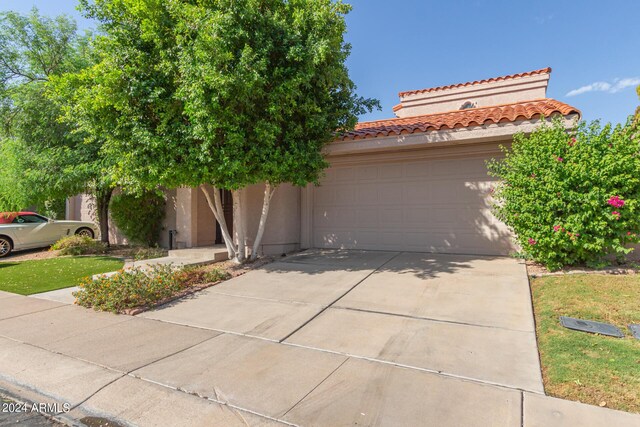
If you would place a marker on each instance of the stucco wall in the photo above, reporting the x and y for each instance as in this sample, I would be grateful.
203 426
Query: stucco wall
282 232
83 208
169 222
205 221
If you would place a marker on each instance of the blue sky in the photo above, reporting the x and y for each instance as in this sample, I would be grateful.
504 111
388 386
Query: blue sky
399 45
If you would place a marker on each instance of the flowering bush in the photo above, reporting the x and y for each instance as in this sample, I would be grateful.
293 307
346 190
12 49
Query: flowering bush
571 197
136 287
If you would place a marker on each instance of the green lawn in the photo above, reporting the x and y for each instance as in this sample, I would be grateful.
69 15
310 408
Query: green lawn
587 367
32 277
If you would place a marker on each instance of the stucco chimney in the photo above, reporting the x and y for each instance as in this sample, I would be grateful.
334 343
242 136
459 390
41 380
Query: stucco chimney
483 93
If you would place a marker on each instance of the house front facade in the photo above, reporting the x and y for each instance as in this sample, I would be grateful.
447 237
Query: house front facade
415 182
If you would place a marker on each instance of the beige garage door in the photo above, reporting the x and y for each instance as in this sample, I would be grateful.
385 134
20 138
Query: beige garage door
436 205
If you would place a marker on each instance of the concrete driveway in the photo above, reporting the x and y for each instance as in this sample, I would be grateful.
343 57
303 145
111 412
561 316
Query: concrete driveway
322 338
348 320
463 316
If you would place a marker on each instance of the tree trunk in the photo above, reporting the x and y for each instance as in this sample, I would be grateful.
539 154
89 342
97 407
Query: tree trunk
103 198
238 226
215 204
268 194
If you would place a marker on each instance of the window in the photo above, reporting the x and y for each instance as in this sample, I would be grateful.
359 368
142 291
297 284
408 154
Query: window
30 219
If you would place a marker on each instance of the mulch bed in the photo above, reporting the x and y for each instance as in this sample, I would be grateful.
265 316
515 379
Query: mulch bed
538 270
29 255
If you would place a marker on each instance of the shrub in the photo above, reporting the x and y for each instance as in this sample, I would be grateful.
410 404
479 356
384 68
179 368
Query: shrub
196 275
571 197
79 245
137 287
128 288
139 216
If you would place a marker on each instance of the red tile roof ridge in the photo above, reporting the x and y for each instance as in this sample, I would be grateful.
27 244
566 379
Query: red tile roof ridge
546 70
523 110
457 111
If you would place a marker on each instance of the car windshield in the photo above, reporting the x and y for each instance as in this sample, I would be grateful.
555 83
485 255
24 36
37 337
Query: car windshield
29 219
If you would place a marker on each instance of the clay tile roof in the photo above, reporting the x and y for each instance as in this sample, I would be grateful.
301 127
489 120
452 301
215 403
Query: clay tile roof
461 118
477 82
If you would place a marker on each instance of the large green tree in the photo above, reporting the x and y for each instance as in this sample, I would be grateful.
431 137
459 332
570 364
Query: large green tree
44 159
227 93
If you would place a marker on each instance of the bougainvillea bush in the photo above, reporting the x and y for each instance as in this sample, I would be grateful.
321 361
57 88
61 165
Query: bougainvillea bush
571 196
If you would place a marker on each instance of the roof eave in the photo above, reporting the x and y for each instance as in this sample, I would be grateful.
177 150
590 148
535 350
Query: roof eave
494 132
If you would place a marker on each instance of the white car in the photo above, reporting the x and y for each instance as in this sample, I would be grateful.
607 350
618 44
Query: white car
28 230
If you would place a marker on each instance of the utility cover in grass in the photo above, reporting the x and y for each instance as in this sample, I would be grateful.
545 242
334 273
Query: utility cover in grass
635 331
591 326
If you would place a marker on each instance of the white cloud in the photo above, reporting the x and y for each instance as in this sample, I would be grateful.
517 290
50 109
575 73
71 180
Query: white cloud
616 86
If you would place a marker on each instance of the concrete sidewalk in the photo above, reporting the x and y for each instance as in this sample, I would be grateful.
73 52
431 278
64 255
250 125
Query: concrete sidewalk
255 368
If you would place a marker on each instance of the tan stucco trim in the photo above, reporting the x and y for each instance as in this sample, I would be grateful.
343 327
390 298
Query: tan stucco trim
306 216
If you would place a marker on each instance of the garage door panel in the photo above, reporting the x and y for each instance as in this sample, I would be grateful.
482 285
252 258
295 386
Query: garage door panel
345 175
390 217
390 193
367 173
367 194
343 216
428 205
368 219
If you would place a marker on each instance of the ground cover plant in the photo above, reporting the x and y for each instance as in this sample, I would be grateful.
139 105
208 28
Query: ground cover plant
35 276
590 368
137 287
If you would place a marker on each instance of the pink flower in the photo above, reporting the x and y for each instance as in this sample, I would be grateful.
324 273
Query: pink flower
560 159
616 201
616 214
532 241
557 228
572 142
628 233
533 175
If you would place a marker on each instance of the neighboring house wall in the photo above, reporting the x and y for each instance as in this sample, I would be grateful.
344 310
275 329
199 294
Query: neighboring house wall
82 208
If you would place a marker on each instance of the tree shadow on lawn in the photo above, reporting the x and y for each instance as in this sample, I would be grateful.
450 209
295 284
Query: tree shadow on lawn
8 264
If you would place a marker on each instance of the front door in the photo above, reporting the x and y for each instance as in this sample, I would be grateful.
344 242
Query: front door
227 209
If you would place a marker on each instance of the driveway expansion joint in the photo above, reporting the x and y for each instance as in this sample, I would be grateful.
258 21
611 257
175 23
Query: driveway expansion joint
431 371
317 385
33 312
342 296
428 319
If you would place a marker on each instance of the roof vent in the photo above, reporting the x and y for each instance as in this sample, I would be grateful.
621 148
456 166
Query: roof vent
468 105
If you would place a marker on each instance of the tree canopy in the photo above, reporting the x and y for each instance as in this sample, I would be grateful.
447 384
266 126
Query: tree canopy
226 92
43 158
